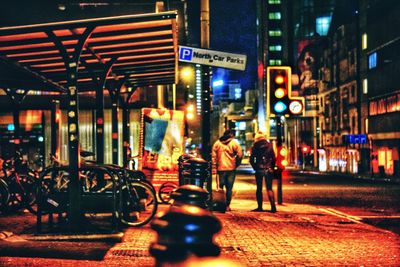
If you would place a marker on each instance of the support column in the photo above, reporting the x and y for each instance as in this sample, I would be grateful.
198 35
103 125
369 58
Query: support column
125 135
160 96
71 62
74 210
100 125
54 123
114 126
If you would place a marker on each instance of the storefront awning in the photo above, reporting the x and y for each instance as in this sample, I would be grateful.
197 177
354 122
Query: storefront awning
136 50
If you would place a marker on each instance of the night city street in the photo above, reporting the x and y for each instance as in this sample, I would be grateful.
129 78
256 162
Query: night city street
199 133
320 223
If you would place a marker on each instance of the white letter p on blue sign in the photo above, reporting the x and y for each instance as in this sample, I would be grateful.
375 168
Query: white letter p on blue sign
185 53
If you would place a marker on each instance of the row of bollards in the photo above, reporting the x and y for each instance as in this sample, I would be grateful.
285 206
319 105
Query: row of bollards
186 231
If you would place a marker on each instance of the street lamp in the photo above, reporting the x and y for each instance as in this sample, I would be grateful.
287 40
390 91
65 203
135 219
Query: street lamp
187 74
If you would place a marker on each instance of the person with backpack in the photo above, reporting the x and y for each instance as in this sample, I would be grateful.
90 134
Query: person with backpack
226 156
262 159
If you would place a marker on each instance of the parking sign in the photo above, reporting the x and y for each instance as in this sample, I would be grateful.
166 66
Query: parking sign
185 53
212 58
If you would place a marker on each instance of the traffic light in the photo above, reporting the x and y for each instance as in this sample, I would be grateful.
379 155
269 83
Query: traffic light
305 149
281 157
279 89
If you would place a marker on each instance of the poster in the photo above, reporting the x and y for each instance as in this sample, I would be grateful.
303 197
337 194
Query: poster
161 144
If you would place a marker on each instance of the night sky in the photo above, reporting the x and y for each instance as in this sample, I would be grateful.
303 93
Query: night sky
233 29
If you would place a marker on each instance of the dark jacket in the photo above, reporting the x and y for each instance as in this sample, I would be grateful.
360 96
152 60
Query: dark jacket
262 155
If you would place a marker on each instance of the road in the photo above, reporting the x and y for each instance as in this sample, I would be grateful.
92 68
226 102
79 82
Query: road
373 202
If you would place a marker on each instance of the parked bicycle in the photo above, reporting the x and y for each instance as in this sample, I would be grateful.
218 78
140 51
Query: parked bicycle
136 197
17 185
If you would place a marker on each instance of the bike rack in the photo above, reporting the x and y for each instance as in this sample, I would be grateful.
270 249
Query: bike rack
90 202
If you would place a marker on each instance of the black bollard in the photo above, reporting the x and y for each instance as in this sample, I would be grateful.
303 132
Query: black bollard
184 231
191 195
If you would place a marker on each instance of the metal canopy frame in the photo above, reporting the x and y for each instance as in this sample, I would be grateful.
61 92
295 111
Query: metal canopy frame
139 48
84 55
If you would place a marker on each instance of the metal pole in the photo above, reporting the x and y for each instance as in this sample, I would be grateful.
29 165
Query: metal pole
100 124
315 145
279 144
205 98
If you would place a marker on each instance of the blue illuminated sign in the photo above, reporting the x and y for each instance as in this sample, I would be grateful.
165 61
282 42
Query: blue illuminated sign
185 53
354 138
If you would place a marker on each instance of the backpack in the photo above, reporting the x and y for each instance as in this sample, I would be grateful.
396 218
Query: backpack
264 157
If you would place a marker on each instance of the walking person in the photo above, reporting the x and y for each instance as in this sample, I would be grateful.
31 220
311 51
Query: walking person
226 156
262 159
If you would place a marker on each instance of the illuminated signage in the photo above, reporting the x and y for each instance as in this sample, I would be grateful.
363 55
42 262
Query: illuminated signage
212 58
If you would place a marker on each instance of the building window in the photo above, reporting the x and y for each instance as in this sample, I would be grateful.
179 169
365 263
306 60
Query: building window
274 15
275 33
398 103
392 103
364 41
322 25
373 108
275 48
274 2
275 62
365 86
372 60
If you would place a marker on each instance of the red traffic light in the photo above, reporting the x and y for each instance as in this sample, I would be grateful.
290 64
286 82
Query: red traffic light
306 149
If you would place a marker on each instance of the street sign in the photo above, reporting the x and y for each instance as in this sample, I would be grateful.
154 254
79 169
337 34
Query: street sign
212 58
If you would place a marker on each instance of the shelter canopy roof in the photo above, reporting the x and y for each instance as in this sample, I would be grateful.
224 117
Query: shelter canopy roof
135 50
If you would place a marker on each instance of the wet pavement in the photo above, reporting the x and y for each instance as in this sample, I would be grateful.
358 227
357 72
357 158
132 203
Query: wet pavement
297 235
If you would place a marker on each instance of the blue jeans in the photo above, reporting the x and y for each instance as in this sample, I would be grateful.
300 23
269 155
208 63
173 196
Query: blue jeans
227 178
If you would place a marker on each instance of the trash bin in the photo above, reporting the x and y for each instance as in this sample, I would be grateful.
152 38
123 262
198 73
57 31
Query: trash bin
193 170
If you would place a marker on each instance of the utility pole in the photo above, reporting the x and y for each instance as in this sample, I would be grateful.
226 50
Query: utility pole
205 86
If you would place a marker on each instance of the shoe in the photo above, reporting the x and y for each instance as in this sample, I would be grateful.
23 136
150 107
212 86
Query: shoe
258 210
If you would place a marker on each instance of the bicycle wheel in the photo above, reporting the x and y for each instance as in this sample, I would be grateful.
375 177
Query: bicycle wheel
164 193
28 192
139 204
4 194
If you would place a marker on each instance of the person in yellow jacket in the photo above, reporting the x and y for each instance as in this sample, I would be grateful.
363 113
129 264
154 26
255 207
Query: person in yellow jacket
226 157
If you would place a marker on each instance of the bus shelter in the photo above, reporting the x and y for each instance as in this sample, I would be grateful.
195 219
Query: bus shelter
66 59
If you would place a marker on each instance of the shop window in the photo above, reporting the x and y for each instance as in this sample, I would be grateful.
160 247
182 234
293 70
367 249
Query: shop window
392 103
382 106
398 103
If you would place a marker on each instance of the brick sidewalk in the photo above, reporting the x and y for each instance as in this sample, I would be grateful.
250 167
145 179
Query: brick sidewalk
297 235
